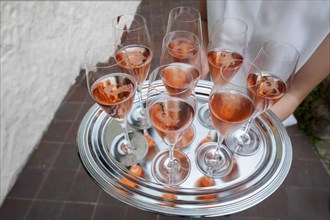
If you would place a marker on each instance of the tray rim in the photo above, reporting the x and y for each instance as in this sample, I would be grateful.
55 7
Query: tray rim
258 195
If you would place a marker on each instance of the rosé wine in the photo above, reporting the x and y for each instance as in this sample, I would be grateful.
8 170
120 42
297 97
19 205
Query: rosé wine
137 57
114 96
229 110
182 49
270 89
219 58
171 117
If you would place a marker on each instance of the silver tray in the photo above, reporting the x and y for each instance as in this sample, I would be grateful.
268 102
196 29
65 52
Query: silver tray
253 179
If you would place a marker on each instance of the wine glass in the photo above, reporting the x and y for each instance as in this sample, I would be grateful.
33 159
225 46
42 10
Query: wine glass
231 104
114 91
185 19
183 47
227 43
171 107
277 62
132 33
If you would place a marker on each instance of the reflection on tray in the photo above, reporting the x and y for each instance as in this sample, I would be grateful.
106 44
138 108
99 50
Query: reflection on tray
251 180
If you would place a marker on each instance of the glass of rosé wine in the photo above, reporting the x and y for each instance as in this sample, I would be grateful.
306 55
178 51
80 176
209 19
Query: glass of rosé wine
131 32
171 108
227 43
185 19
277 62
183 47
231 104
114 91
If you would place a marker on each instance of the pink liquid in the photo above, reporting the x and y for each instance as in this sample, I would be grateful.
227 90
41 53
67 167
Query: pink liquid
217 59
114 96
229 110
170 118
137 57
270 89
182 49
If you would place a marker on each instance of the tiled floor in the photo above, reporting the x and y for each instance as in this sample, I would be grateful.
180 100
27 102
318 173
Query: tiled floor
54 185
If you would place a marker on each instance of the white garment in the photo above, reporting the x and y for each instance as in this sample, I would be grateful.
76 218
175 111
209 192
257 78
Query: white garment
304 24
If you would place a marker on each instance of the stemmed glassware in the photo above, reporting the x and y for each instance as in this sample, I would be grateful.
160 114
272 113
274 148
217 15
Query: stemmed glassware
231 103
227 43
132 34
114 91
183 47
277 62
185 19
171 108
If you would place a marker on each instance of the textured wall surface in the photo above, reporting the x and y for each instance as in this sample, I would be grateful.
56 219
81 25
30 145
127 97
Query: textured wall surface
42 47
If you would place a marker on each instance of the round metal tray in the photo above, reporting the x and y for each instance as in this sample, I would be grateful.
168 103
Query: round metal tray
253 178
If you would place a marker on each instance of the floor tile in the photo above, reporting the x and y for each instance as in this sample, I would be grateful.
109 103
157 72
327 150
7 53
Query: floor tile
84 189
14 209
298 175
307 204
275 206
67 159
77 93
294 130
137 214
72 136
318 175
57 131
44 156
45 210
303 149
57 186
249 213
28 183
84 109
109 213
307 174
74 211
68 111
89 99
107 200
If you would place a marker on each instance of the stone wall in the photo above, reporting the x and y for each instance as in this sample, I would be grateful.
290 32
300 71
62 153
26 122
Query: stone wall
42 47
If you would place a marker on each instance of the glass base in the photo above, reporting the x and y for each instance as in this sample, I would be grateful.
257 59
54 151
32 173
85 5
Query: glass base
179 173
243 144
128 157
204 116
137 120
214 164
187 137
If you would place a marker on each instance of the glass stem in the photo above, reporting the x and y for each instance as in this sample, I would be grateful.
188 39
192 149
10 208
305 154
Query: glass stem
142 111
245 137
219 144
128 145
248 125
171 165
216 155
